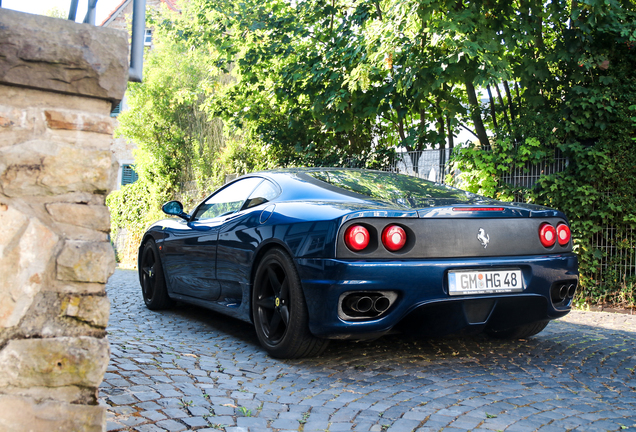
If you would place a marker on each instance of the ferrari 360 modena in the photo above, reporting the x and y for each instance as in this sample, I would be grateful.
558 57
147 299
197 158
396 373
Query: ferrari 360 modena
309 255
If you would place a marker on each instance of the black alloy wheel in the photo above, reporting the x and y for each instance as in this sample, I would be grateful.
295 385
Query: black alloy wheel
279 310
153 284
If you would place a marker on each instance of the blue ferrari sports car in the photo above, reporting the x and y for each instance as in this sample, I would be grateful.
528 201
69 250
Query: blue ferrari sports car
313 254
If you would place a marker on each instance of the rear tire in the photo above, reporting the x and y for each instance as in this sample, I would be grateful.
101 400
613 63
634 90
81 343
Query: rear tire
279 310
519 332
151 278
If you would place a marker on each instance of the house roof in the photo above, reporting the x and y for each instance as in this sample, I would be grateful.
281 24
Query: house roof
171 4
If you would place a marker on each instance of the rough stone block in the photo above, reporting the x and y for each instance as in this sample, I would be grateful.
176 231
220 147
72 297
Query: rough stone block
5 122
56 119
23 118
91 309
88 216
54 362
58 82
11 117
20 414
16 124
86 262
26 247
73 232
63 56
74 287
68 394
46 168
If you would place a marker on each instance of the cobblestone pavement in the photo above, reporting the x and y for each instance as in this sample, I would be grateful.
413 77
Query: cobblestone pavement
189 368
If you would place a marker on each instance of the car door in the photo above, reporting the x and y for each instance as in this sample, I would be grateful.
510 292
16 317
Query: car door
190 248
238 239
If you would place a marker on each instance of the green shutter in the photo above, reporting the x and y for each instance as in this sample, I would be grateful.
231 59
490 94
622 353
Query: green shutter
115 112
128 174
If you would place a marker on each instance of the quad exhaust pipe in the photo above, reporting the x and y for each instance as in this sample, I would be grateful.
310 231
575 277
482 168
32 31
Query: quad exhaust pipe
562 293
361 304
381 304
571 290
365 305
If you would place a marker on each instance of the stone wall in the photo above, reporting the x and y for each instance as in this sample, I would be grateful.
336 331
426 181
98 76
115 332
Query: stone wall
58 82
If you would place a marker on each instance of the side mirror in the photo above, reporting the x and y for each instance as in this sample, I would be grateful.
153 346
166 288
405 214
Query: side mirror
175 208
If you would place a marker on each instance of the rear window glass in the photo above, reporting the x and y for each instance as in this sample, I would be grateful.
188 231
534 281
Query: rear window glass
394 188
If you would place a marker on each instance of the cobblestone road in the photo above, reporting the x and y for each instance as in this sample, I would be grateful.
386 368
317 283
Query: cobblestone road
189 368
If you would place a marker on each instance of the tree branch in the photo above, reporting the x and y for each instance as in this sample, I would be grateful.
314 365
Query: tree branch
377 7
505 113
468 129
493 111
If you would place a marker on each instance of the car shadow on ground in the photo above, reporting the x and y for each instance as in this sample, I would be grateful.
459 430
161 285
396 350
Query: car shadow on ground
561 345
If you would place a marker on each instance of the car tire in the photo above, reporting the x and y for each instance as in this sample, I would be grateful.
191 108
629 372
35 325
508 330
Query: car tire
151 278
519 332
279 310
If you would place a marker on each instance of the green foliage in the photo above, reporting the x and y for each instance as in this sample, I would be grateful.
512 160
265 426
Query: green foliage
483 170
578 85
311 84
125 215
177 141
132 208
56 12
244 157
323 83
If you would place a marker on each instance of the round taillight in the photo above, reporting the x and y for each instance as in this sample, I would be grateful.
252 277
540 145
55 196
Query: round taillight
547 235
393 238
357 237
563 234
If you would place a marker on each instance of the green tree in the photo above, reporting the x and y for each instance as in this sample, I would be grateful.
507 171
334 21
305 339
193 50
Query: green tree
289 91
319 82
176 140
179 146
56 12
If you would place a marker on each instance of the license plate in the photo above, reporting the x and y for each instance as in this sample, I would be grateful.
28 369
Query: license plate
484 281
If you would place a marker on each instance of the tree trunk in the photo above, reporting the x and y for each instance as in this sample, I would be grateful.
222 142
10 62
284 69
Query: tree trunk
377 8
442 154
476 114
441 130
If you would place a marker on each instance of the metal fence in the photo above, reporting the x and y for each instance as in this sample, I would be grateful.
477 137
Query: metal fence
424 164
618 255
527 175
428 165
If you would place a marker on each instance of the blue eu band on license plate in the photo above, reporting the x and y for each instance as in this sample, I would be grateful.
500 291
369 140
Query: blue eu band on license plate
484 281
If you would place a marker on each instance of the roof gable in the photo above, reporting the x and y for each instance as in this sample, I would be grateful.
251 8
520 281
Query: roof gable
171 4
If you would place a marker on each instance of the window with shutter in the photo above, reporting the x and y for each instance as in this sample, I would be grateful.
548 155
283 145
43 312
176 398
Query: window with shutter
128 174
115 112
148 37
